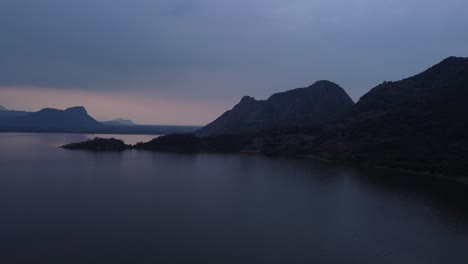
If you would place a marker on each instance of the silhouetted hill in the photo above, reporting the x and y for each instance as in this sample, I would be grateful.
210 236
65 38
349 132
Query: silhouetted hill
48 118
418 124
118 122
73 119
3 108
297 109
77 120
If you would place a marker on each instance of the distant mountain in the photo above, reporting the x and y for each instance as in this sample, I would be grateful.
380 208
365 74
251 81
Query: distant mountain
301 108
119 122
70 119
417 124
76 119
3 108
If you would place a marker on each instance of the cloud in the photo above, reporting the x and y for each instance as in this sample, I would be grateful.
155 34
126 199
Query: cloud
223 49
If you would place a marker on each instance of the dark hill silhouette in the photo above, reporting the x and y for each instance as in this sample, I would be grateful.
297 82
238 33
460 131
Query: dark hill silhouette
76 119
3 108
48 119
418 124
296 109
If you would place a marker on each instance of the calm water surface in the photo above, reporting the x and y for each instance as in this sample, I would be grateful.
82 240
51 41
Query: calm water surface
61 206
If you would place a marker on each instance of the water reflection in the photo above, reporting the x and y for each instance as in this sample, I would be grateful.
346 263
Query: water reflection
144 207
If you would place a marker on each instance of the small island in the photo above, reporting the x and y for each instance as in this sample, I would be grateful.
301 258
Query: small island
99 144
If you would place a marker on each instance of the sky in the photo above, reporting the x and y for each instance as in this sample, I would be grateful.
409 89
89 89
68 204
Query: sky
184 62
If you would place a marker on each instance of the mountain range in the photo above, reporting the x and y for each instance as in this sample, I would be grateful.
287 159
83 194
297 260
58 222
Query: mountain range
297 109
76 119
418 124
70 119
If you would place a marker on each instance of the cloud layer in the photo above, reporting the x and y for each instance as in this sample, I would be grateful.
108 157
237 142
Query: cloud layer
208 50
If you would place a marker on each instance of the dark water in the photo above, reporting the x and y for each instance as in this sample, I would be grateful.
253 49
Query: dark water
60 206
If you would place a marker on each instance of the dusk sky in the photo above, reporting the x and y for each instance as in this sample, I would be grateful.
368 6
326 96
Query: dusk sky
187 61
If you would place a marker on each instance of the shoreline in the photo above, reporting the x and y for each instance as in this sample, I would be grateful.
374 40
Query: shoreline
88 146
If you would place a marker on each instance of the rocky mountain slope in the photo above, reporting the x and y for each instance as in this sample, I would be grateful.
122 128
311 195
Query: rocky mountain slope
417 124
297 109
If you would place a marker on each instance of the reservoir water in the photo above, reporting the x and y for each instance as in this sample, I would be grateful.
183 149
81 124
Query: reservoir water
62 206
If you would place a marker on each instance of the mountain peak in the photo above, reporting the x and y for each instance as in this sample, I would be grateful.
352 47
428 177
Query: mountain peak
452 59
300 108
449 64
77 109
324 83
49 118
247 99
